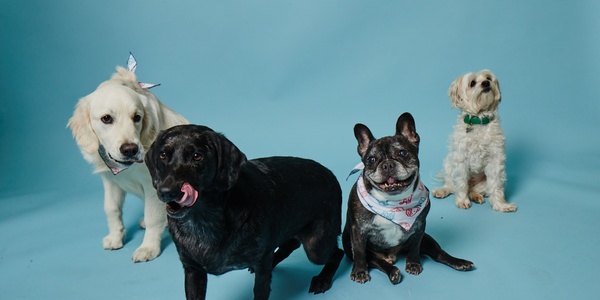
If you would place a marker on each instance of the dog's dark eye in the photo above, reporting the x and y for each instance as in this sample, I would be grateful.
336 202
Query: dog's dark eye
106 119
197 156
137 118
371 160
473 83
162 155
402 153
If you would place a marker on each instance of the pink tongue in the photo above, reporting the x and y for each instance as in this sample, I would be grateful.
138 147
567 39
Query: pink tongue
391 180
189 195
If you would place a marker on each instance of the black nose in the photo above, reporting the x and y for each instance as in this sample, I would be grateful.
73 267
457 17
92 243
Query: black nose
129 149
485 84
387 166
167 194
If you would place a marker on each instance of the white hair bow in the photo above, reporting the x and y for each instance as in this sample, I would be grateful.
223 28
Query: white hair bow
132 65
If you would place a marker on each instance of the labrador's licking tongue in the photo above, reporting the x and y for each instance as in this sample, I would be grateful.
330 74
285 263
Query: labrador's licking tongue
189 195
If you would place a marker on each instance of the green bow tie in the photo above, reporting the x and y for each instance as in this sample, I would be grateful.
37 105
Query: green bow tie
474 120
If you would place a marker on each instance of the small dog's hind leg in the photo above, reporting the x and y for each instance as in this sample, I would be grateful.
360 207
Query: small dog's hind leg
432 249
442 192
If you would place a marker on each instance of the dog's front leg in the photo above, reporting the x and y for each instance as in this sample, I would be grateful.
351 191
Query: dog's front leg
496 179
114 196
413 258
360 268
460 183
195 283
155 220
262 277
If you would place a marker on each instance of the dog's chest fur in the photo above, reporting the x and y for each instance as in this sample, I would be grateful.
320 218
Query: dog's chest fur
478 144
382 234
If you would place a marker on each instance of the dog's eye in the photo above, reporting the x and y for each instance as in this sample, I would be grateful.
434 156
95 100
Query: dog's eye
137 118
162 155
106 119
402 153
473 83
371 160
197 156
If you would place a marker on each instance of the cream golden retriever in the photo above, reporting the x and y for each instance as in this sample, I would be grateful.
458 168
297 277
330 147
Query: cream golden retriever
113 127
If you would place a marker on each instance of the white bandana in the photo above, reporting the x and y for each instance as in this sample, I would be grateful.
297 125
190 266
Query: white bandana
403 212
115 167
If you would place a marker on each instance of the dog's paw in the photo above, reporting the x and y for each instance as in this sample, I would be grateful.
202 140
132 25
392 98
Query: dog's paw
441 192
113 241
463 265
414 268
504 207
464 204
319 285
395 276
142 224
360 276
143 254
476 197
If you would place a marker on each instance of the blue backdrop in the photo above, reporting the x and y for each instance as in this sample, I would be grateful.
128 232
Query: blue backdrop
292 78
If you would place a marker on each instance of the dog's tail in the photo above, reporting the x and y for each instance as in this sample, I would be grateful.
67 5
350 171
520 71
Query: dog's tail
438 177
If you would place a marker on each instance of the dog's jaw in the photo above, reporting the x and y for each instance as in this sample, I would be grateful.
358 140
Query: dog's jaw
178 208
397 190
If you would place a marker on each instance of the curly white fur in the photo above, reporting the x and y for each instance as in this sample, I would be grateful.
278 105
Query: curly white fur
475 166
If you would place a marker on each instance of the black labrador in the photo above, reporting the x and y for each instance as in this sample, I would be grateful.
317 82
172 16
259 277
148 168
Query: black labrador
226 212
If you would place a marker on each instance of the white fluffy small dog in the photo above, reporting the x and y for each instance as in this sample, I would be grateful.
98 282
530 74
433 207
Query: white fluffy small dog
113 127
475 166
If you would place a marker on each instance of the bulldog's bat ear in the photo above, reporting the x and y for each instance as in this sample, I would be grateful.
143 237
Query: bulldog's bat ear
406 127
364 137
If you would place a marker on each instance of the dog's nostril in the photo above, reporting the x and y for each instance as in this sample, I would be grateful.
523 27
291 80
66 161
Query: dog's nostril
485 84
129 149
167 194
388 166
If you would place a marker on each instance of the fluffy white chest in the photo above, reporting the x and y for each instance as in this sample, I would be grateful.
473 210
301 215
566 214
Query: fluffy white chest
391 232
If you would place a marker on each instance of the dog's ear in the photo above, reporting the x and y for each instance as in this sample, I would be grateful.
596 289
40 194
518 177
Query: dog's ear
406 126
150 161
81 126
150 122
496 84
364 137
454 92
229 163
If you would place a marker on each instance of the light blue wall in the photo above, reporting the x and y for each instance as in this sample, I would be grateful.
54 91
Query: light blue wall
292 78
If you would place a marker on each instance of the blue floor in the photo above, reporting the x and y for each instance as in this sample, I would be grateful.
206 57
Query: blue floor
292 78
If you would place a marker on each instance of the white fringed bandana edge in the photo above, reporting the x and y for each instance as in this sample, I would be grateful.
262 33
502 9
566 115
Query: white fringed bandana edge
403 212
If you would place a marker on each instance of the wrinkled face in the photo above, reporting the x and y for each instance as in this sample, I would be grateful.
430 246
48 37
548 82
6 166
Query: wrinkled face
116 115
391 165
475 92
185 161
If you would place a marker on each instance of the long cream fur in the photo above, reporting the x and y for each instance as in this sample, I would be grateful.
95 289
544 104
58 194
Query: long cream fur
122 98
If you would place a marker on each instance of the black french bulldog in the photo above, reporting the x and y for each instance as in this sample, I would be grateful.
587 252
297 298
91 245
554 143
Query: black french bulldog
226 212
388 206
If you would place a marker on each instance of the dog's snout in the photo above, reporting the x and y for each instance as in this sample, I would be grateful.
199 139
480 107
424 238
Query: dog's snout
485 84
167 194
129 149
387 166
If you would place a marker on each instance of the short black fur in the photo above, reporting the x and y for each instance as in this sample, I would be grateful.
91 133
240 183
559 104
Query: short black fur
246 209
